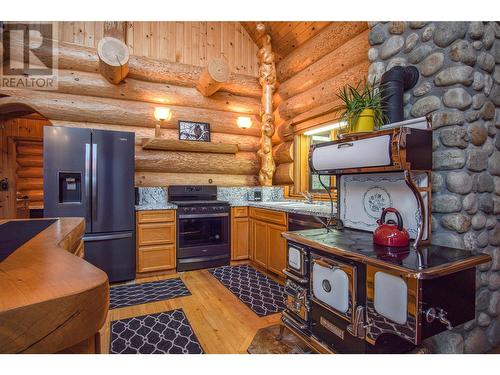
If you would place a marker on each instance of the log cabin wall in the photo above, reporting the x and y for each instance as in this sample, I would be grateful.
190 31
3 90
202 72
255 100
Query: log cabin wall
309 77
193 43
159 74
21 162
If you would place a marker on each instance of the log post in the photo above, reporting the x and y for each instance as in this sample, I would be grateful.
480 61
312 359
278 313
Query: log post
267 79
113 59
212 78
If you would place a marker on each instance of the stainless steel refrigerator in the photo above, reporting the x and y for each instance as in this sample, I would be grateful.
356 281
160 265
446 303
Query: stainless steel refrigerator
90 173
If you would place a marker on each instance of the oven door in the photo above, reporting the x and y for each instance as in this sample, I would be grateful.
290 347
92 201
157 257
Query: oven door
296 263
203 234
333 285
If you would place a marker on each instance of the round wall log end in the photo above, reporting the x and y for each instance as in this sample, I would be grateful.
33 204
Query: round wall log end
113 59
213 77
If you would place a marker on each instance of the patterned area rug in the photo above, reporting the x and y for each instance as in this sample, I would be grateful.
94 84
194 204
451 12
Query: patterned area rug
262 294
162 333
136 294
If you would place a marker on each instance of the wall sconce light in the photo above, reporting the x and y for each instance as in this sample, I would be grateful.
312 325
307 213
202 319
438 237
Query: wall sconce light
244 122
161 114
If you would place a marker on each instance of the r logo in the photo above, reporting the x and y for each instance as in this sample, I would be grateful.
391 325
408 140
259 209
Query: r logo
28 59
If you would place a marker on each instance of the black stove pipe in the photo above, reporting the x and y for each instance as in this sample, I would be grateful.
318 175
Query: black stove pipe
393 84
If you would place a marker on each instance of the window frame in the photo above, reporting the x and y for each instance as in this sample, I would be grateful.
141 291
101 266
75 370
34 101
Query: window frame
301 168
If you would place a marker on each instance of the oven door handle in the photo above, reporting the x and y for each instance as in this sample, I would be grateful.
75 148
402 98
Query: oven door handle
324 263
200 216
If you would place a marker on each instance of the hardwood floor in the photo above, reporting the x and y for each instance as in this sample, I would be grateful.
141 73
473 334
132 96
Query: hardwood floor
222 323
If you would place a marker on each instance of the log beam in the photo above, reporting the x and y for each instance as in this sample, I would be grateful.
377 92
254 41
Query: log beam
92 84
283 153
242 163
284 174
54 106
166 179
245 142
322 94
267 79
329 39
353 52
75 57
213 77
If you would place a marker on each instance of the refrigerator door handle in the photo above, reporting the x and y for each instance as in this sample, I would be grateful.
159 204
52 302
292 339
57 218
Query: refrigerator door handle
87 183
94 181
107 237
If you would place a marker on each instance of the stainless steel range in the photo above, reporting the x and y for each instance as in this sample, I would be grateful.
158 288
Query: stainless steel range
202 227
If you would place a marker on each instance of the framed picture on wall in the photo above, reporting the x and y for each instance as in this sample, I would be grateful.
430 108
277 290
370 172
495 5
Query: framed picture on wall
194 131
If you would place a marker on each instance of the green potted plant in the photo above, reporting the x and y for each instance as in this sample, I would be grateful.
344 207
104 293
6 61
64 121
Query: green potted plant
362 107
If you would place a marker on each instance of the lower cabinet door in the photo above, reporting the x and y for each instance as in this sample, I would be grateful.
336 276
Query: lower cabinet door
259 242
156 258
239 238
276 245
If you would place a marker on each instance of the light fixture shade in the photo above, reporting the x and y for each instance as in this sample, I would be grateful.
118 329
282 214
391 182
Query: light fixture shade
163 114
244 122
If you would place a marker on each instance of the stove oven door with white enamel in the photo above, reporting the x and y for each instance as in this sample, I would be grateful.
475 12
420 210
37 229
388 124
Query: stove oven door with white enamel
333 285
297 263
391 304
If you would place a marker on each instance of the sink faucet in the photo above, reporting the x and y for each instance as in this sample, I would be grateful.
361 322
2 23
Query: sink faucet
307 195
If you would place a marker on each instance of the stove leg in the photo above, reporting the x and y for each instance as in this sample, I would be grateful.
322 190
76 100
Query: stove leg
280 334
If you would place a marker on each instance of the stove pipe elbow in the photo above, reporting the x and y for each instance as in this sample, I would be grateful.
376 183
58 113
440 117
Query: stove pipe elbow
393 84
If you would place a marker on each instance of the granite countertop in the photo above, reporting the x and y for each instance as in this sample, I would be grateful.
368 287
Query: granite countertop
156 206
428 262
297 207
322 210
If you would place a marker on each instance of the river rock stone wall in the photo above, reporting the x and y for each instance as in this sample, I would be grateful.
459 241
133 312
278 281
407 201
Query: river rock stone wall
459 86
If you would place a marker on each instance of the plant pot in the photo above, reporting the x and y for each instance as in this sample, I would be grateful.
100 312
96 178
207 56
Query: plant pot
365 122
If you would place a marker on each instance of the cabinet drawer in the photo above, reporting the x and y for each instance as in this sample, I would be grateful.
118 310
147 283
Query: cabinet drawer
155 234
276 217
240 211
155 258
156 216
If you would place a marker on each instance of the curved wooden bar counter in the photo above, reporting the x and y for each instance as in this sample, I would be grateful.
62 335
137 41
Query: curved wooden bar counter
51 300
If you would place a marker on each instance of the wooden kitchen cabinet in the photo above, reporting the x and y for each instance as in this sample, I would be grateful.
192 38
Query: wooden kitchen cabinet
156 233
239 233
276 249
267 247
260 243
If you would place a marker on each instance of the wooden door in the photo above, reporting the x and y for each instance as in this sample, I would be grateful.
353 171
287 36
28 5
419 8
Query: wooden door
259 230
239 238
276 248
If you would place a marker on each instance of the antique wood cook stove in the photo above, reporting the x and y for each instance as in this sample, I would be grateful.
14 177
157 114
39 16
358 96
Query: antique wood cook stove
345 294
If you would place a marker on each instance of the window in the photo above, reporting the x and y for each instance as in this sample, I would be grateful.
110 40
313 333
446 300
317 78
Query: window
304 180
314 185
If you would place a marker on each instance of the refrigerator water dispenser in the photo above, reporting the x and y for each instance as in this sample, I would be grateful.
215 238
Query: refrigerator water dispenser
70 187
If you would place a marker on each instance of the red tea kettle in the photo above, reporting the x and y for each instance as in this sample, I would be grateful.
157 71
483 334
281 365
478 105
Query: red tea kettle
389 233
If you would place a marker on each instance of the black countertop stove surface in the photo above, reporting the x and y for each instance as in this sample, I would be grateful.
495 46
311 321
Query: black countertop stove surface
359 244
